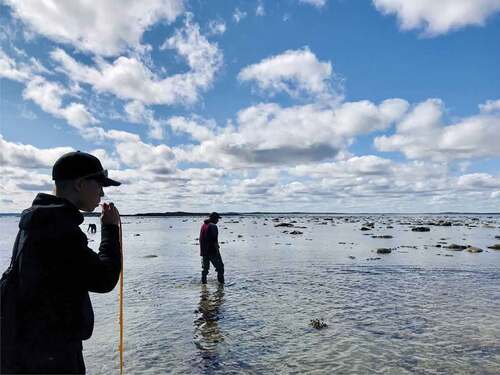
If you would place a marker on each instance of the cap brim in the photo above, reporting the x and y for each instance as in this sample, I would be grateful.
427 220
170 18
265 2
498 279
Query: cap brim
109 182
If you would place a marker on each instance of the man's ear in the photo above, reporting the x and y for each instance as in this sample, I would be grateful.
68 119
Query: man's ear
78 184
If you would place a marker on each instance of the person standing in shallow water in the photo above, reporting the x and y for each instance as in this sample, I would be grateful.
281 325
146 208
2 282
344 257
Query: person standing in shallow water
46 310
209 248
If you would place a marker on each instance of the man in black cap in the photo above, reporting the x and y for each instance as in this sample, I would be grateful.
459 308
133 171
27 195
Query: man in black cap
209 248
46 309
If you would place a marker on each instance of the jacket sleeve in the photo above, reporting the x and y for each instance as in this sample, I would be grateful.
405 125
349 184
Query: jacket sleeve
100 271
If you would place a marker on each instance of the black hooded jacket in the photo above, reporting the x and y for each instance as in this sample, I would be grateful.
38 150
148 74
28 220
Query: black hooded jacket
56 271
209 239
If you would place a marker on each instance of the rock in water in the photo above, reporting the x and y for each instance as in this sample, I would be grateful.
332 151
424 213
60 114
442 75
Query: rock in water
318 323
444 223
495 247
284 225
420 229
473 249
456 247
295 232
384 250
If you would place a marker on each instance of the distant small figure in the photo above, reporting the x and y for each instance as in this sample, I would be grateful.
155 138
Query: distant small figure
209 248
92 228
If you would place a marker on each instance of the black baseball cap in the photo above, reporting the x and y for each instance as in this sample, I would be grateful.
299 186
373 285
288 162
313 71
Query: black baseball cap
79 164
214 215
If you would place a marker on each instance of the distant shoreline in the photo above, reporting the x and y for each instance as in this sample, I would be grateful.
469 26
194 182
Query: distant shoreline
294 213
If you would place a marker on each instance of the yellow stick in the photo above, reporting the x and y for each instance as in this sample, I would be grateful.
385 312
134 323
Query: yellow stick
120 296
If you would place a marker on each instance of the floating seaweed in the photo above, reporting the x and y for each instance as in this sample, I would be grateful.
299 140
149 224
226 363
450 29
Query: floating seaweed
318 324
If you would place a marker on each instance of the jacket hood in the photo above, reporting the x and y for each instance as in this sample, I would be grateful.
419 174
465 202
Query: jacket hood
48 210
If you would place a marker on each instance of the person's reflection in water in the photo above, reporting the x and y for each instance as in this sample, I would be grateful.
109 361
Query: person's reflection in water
207 334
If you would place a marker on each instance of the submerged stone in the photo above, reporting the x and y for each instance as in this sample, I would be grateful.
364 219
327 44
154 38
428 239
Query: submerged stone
456 247
284 225
444 223
473 249
420 229
384 250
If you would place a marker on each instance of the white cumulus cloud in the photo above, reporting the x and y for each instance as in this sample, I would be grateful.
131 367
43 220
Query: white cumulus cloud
138 113
293 72
490 106
27 156
268 134
437 17
139 155
477 181
128 78
48 95
12 70
422 134
106 27
198 128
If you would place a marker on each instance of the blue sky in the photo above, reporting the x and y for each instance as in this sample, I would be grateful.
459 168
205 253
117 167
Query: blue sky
313 105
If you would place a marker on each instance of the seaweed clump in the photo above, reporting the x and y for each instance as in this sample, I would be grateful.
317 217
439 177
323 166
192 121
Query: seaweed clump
318 324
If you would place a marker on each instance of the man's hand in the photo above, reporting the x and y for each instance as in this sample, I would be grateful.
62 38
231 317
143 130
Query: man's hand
110 214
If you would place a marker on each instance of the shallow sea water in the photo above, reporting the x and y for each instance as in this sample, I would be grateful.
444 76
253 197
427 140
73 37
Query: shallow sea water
418 310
